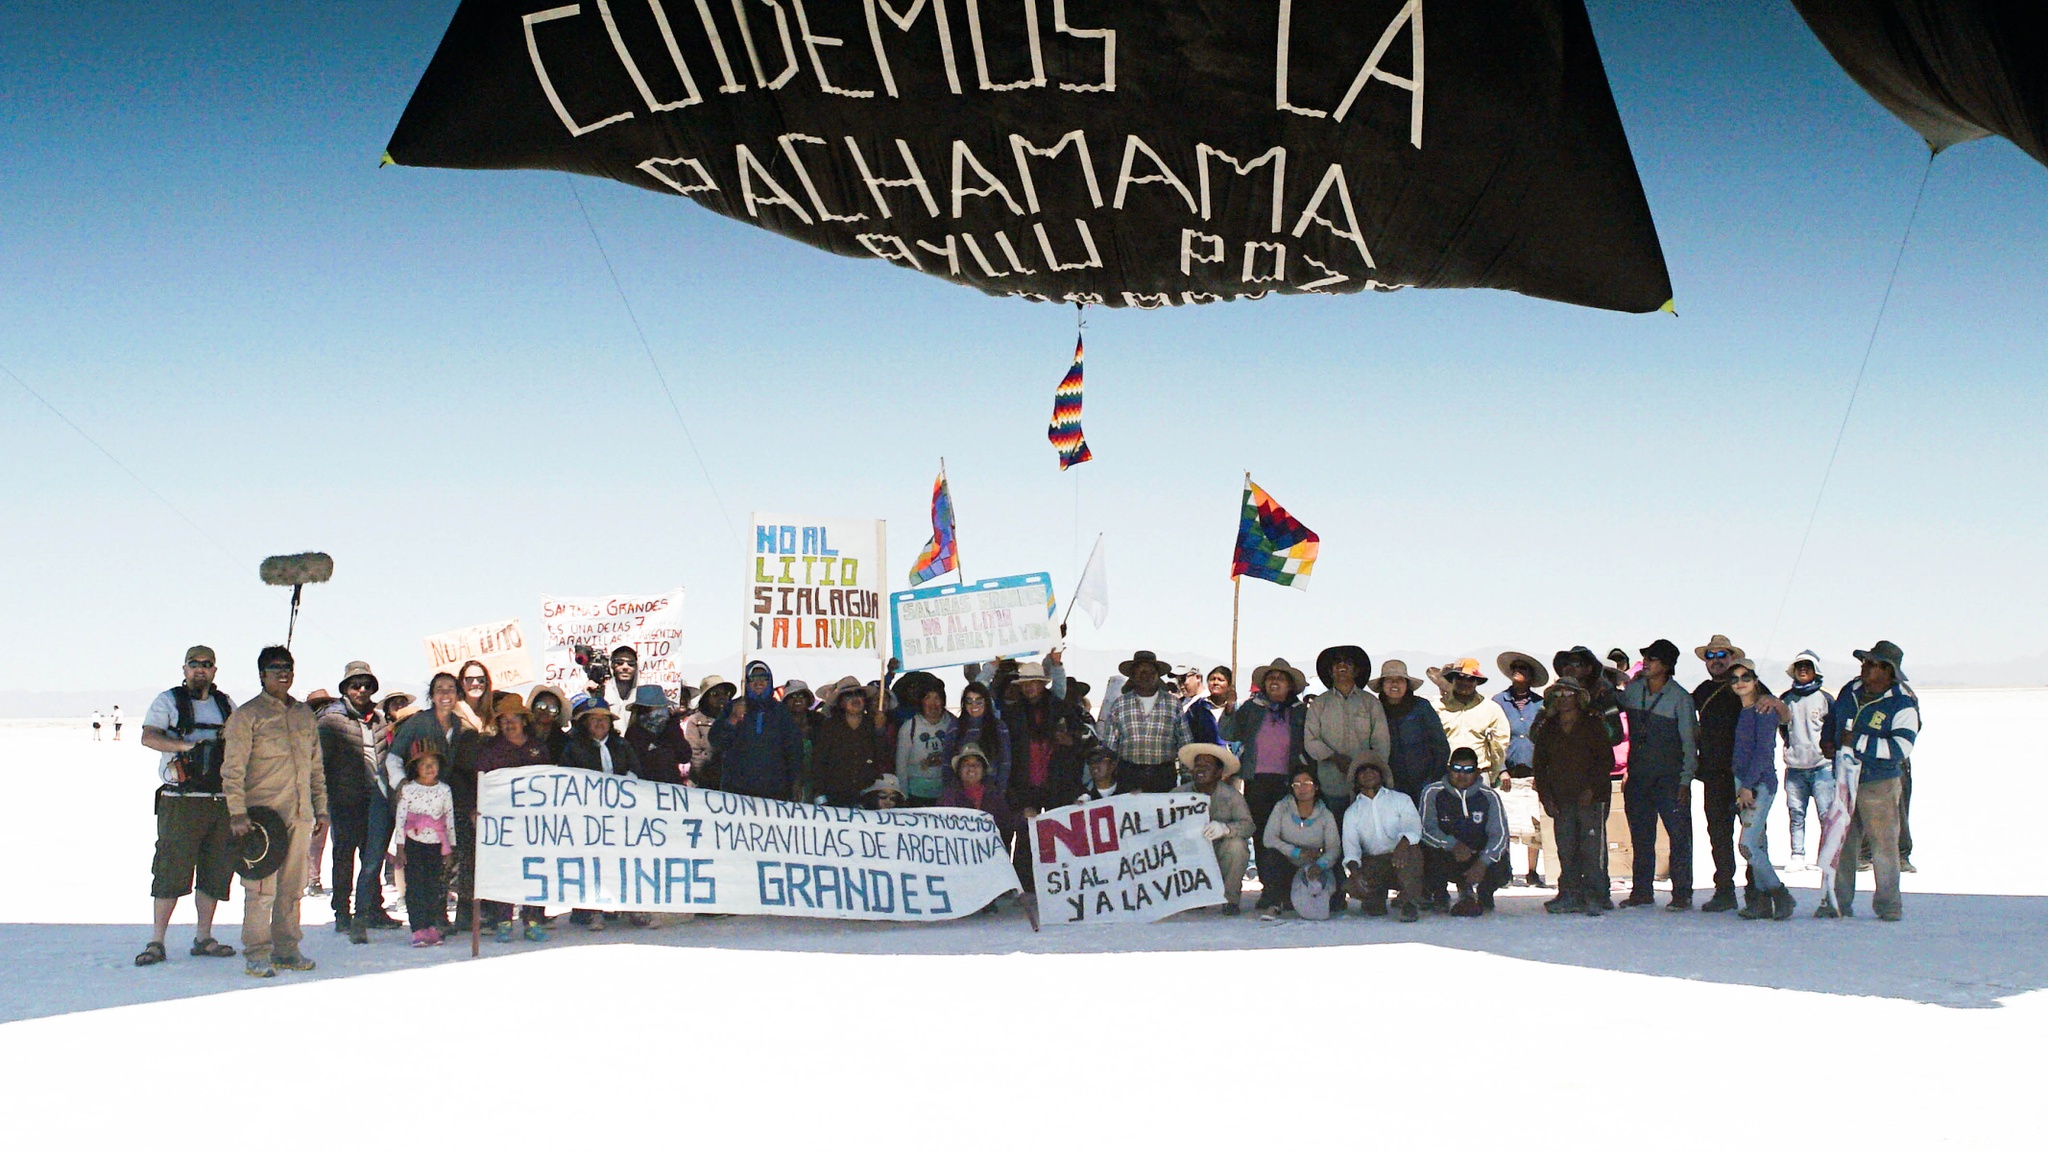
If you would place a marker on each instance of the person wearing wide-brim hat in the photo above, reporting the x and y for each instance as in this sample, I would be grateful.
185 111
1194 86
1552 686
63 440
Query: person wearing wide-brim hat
1574 765
655 734
1719 713
1417 746
969 785
1145 725
1269 726
1522 703
353 736
596 743
1471 719
1230 828
714 694
1343 727
883 793
1877 722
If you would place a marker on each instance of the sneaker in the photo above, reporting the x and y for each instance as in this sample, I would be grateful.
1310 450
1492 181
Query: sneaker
1535 880
260 969
358 933
1230 910
384 921
340 924
314 889
293 963
1561 904
1408 914
1723 900
504 933
536 933
1598 904
1889 915
1518 882
434 936
1679 904
1906 864
1826 911
1466 906
1269 914
421 939
1759 909
1639 900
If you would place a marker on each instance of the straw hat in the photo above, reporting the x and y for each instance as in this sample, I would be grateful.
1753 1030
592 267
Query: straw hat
510 705
829 694
1279 664
1035 670
714 680
966 750
1538 674
1394 670
1188 752
1718 641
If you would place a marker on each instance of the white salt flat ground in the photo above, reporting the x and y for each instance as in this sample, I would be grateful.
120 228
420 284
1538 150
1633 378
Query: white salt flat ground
1641 1029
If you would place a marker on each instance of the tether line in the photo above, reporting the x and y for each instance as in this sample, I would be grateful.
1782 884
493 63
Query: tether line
652 361
1813 515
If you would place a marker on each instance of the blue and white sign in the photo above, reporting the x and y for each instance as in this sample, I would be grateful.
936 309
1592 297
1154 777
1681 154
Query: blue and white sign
936 627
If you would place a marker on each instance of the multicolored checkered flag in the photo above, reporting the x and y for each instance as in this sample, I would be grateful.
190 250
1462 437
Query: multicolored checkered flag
1271 543
1065 429
942 552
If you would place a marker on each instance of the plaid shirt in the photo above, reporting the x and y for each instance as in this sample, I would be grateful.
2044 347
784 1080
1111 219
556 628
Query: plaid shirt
1145 729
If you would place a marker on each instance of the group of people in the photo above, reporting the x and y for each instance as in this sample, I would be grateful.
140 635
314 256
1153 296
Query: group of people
1366 789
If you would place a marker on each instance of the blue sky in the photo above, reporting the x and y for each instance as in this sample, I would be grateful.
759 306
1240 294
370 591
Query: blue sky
429 375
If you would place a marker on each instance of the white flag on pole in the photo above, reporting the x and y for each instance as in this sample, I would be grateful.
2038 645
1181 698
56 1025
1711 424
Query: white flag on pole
1092 595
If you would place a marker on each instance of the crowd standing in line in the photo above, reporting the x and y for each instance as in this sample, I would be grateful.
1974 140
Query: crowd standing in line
1364 791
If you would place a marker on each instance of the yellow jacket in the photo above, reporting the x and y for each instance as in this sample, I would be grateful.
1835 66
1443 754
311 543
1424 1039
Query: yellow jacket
1481 726
272 760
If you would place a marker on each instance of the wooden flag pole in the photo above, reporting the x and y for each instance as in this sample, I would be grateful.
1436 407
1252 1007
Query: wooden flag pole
1236 588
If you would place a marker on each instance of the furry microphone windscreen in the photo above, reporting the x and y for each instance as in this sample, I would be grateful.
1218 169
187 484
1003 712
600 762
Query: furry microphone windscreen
300 568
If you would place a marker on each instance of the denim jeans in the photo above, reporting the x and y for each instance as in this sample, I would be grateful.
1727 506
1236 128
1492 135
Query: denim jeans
1756 846
370 873
1648 800
1801 785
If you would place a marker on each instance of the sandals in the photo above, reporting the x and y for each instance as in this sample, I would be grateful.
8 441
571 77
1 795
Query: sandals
210 947
152 953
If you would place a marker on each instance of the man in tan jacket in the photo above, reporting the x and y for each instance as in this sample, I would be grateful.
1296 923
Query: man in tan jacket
272 760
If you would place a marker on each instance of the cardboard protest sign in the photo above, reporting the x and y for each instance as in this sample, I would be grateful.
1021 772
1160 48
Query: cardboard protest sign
582 839
814 596
501 645
934 627
653 625
1127 859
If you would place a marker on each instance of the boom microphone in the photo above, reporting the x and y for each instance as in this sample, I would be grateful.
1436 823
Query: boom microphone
295 572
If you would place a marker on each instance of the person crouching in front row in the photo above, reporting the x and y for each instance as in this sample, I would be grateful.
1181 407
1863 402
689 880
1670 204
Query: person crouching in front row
1382 842
425 817
1465 836
1230 827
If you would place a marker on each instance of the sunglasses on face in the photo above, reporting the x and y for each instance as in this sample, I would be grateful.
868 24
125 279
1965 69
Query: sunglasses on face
1718 654
277 668
198 663
474 680
1743 678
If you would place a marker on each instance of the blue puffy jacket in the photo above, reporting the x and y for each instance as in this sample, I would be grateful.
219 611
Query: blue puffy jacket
761 754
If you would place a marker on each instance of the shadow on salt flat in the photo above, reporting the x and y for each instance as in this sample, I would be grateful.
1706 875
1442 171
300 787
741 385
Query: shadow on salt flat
1959 951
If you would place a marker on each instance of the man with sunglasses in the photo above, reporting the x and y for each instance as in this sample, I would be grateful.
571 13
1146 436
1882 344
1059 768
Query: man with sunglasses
272 760
1719 711
193 850
625 680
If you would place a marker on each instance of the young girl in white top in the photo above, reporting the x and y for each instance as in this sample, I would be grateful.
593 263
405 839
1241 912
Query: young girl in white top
425 824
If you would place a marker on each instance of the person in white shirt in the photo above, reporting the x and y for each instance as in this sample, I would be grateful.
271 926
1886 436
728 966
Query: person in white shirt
1382 842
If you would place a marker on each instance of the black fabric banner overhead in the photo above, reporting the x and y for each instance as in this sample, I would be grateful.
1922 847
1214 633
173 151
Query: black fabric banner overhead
1953 70
1135 152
